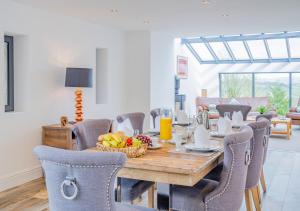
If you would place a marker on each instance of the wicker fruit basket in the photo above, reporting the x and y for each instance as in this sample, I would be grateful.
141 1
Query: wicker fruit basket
131 152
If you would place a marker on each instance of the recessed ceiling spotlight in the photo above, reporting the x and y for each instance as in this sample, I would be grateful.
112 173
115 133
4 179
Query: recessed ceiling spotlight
225 15
114 11
205 2
146 22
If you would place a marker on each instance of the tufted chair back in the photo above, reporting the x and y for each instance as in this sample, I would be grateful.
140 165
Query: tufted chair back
136 119
245 109
88 131
258 145
230 191
78 180
154 114
268 132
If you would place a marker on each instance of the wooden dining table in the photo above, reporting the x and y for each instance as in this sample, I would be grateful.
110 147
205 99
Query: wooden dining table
166 165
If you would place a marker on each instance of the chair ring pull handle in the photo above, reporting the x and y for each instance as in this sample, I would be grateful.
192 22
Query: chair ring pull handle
69 181
247 157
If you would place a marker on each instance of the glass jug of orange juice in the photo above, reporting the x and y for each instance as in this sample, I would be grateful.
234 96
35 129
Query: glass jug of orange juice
166 118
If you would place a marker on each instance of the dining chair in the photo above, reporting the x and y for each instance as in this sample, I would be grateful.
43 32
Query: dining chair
78 181
154 114
224 195
88 131
222 108
258 145
131 189
267 138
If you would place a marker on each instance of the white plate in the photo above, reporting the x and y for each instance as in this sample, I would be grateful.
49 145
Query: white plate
157 146
216 134
208 148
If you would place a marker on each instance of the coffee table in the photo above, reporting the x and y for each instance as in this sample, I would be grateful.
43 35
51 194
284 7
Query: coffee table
285 121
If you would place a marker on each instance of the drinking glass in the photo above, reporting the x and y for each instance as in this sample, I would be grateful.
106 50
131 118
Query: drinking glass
178 141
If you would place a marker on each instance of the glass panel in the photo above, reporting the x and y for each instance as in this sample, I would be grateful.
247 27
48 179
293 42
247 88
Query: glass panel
239 50
202 51
278 48
236 85
295 88
6 71
257 48
295 47
220 50
276 87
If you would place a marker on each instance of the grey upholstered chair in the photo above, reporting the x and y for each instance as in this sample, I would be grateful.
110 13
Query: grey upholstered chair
258 145
268 133
226 195
80 181
154 114
88 131
130 188
222 108
136 119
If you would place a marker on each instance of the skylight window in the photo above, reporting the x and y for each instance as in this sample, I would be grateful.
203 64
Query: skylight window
202 51
249 48
278 48
258 49
295 47
220 50
238 50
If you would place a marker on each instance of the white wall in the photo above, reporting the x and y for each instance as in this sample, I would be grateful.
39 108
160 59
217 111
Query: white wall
137 72
49 44
207 76
162 70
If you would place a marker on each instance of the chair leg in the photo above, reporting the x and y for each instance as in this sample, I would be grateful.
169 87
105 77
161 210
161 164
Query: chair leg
255 199
248 200
263 182
151 197
258 194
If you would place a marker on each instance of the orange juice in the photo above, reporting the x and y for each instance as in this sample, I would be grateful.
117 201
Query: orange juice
165 128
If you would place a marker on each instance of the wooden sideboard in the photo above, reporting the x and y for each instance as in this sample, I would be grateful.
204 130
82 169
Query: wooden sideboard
58 136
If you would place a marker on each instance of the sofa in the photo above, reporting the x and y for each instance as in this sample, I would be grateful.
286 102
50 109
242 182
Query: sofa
204 103
294 114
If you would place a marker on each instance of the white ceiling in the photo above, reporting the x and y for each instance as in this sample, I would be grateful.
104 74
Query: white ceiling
182 17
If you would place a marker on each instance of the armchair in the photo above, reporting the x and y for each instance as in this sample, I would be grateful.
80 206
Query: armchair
294 114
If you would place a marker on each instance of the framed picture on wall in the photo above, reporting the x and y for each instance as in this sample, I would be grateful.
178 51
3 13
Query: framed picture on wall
182 67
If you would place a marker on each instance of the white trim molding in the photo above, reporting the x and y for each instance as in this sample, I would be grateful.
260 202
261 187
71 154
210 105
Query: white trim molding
21 177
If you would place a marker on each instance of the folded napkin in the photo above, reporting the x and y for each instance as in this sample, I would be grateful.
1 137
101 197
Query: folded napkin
237 118
224 126
182 117
126 127
201 136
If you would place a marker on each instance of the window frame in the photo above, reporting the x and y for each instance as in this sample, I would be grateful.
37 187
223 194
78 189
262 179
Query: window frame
9 107
290 90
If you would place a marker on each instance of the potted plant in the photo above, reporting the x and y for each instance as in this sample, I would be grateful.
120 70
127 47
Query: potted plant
262 109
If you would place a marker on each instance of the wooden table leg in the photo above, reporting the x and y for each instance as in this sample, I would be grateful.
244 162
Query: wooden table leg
151 197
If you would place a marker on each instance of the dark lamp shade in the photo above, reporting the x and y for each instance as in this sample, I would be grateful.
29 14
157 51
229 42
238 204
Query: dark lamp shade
78 77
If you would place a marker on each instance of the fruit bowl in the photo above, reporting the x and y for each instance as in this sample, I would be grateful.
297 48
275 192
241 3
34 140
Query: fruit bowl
131 152
118 142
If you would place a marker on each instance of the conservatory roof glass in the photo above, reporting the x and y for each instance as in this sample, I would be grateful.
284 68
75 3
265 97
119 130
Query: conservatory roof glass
246 48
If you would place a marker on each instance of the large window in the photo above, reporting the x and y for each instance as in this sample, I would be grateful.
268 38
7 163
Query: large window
9 72
283 89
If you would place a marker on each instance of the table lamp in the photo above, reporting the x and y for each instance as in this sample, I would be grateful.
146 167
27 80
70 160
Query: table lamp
78 77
